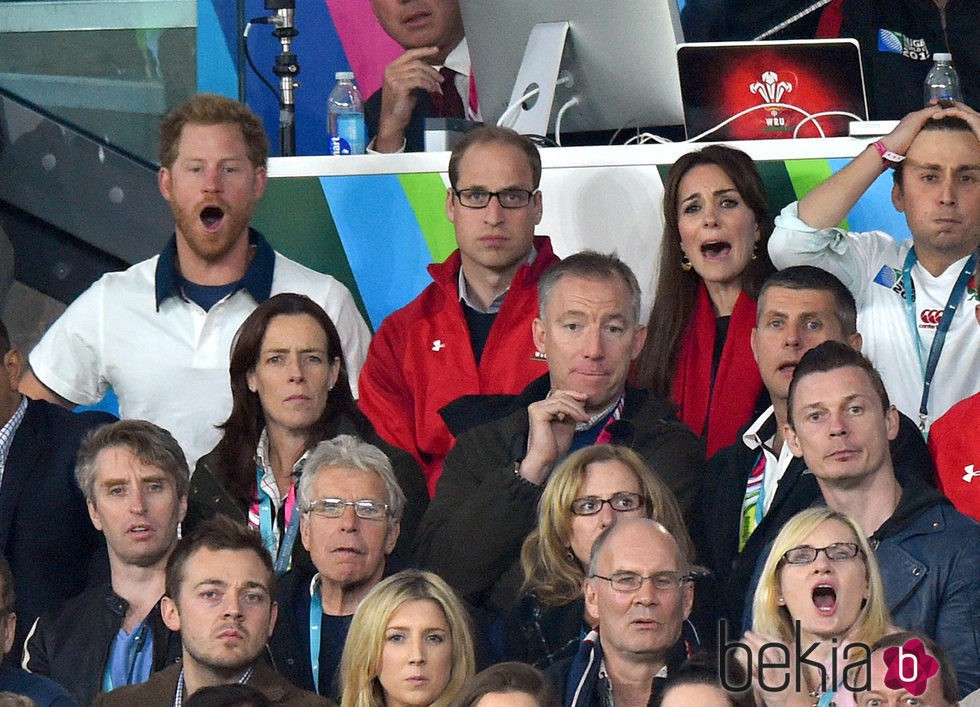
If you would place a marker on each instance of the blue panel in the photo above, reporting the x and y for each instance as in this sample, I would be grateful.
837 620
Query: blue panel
390 266
319 55
216 72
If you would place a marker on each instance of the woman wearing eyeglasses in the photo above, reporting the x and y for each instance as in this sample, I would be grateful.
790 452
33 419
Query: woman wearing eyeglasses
820 586
409 645
289 391
590 490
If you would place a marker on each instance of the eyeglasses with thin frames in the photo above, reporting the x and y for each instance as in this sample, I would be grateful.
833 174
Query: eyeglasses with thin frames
621 502
365 508
507 198
632 581
805 554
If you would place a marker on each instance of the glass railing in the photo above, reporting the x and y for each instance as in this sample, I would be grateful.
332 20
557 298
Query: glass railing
111 67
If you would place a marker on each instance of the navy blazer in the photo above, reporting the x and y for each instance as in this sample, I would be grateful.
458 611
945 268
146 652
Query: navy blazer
414 132
47 537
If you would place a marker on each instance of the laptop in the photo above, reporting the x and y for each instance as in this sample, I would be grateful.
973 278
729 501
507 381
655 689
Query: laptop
778 84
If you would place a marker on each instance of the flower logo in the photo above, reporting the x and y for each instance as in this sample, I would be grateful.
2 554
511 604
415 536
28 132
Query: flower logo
909 667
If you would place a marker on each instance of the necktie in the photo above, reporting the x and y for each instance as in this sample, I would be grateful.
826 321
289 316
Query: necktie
449 104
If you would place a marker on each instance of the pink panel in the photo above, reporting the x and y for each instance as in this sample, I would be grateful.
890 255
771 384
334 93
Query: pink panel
368 48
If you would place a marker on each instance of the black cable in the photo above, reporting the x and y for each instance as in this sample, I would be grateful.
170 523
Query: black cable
248 57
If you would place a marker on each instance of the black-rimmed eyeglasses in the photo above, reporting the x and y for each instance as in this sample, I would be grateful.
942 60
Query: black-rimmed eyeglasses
805 554
631 581
335 507
621 502
507 198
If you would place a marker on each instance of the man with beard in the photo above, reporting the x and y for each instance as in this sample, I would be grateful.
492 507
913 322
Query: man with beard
219 588
159 333
352 508
135 479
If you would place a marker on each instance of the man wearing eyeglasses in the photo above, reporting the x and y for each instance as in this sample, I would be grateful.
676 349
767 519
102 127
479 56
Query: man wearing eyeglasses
639 586
839 420
350 523
469 332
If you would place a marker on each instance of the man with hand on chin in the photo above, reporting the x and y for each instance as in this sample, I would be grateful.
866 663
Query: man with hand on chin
486 501
916 299
431 79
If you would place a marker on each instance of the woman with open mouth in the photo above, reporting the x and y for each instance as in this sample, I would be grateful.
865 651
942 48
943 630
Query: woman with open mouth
713 261
819 604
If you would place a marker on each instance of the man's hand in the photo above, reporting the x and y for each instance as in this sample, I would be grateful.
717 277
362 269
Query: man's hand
406 74
900 139
552 425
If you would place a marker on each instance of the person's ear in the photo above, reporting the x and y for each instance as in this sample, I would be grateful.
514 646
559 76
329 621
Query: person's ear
789 434
169 613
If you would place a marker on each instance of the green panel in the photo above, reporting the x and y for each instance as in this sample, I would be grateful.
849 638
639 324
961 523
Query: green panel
779 186
806 174
427 195
293 215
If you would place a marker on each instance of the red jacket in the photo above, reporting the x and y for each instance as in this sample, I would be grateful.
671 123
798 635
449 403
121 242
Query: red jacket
421 359
955 445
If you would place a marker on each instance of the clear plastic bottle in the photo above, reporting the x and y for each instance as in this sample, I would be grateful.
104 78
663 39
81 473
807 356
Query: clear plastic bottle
941 82
345 117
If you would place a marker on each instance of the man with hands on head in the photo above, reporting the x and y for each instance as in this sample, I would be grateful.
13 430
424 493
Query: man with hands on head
916 299
486 501
431 79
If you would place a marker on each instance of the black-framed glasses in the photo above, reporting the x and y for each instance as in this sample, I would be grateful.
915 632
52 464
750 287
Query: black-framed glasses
632 581
805 554
620 502
335 507
507 198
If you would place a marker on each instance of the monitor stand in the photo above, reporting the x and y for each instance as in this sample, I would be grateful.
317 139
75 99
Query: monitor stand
539 69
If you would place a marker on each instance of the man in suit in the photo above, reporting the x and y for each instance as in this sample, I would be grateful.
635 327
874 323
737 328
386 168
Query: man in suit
45 532
431 79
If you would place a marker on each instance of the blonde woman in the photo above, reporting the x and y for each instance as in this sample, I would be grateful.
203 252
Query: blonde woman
590 490
820 585
409 645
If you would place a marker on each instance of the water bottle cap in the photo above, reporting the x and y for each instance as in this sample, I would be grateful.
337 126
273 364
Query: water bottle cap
942 56
344 76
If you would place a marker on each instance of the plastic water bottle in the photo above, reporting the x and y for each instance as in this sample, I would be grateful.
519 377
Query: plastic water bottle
345 117
942 83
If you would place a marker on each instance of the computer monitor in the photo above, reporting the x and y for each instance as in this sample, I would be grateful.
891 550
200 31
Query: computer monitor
620 55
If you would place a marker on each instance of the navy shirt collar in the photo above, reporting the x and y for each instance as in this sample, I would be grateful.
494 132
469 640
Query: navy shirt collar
257 280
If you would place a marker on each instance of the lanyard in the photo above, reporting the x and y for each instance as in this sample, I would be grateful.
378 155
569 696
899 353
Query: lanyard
266 526
316 617
955 295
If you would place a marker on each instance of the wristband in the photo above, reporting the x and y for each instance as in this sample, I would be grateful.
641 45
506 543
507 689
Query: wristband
888 158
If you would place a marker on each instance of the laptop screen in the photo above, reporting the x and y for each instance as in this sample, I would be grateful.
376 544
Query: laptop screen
776 84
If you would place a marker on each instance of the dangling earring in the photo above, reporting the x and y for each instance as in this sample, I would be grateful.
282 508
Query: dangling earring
755 250
570 554
686 264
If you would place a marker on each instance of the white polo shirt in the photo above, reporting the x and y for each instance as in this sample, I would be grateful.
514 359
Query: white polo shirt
169 363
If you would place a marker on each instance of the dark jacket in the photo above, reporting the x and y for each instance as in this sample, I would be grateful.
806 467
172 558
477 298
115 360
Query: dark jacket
482 511
72 647
576 679
715 529
44 691
414 132
541 635
160 690
898 39
929 555
208 494
45 531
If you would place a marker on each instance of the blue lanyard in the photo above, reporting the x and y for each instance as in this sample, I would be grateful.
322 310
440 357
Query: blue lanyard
266 528
316 617
955 295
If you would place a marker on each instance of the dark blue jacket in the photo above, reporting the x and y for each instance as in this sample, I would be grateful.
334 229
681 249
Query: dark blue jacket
929 554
